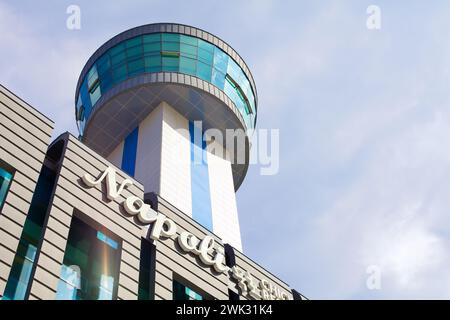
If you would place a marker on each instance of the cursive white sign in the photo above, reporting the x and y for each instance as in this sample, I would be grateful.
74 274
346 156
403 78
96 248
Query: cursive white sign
163 227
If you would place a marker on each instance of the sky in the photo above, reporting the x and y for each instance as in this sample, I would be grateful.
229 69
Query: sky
364 120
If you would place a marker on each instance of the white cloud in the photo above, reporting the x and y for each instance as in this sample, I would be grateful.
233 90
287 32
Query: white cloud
40 68
364 122
364 118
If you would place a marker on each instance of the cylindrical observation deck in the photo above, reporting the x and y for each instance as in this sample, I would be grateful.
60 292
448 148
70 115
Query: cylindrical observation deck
195 72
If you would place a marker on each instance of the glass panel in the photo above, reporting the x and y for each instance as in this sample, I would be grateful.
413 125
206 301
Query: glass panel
192 295
182 292
205 56
170 46
233 70
119 73
90 266
187 65
147 266
170 63
118 58
174 37
103 64
23 263
153 63
5 180
220 60
204 71
135 52
120 48
218 78
188 50
135 67
133 42
206 46
154 37
188 40
106 81
173 53
110 242
92 77
170 42
95 95
154 47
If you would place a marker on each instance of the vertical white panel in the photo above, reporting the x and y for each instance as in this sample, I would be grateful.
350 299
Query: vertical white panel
148 154
175 160
223 200
115 157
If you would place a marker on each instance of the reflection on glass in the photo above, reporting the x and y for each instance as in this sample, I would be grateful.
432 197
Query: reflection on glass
91 265
24 260
5 180
168 52
182 292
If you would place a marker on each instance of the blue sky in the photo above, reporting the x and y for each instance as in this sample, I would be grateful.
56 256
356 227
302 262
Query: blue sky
363 116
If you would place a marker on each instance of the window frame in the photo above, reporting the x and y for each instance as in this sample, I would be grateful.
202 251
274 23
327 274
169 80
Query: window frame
97 227
187 284
9 169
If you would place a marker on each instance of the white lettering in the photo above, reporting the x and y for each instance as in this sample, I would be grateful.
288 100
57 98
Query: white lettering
111 185
205 249
136 206
163 227
190 243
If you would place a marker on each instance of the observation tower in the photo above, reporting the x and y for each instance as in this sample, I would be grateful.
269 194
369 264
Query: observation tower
156 97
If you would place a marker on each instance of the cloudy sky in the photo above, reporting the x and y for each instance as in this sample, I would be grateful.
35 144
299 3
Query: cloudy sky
364 119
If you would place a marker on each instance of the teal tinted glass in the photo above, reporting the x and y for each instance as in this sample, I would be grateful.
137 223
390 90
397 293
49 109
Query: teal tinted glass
168 52
133 42
218 78
20 272
206 46
170 63
205 56
171 46
95 95
188 65
170 42
173 37
220 60
117 49
205 52
192 295
118 58
154 37
103 237
5 181
135 52
188 50
153 63
136 66
92 76
152 48
24 260
90 265
119 73
182 292
188 40
103 64
204 71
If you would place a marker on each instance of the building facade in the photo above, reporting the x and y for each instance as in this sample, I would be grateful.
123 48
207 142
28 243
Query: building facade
141 205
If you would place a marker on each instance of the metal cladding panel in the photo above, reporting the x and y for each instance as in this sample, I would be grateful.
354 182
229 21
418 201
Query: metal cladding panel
148 157
175 160
115 157
24 138
223 198
70 197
